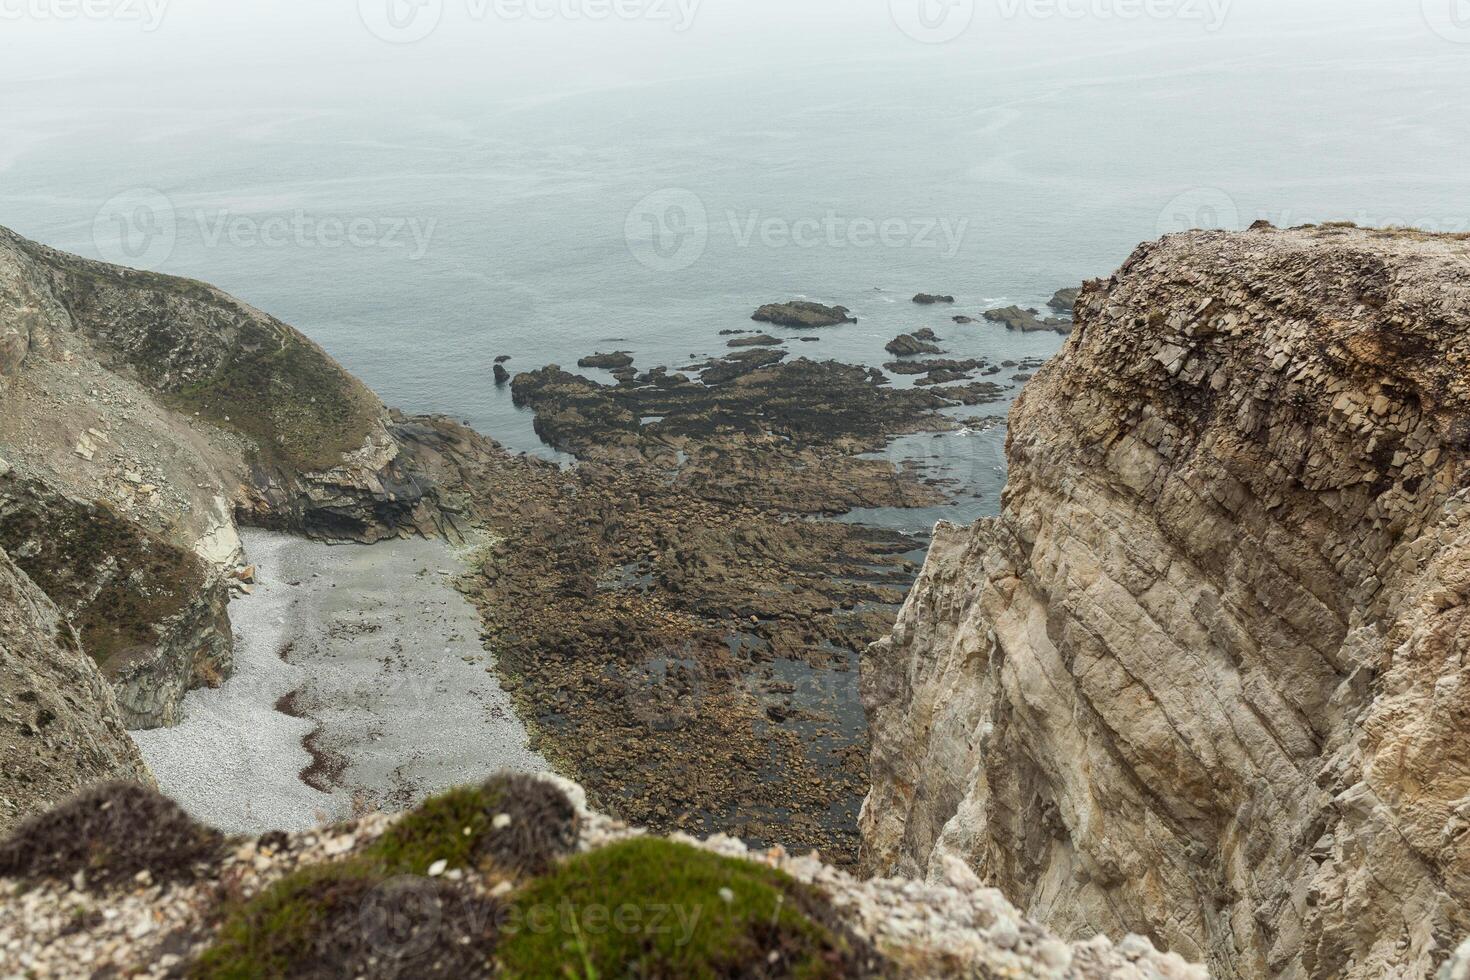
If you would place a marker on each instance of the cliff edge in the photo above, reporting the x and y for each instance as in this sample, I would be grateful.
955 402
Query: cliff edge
515 878
142 418
1207 677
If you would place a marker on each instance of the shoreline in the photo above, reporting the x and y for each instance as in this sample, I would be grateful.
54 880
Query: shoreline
360 683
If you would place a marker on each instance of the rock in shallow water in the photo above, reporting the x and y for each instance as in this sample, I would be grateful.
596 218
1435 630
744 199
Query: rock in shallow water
803 315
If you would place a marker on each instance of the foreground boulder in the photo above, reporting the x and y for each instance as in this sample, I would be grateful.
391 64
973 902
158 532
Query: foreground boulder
1207 677
516 877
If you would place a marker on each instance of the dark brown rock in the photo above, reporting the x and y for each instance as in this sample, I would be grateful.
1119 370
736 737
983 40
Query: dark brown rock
803 315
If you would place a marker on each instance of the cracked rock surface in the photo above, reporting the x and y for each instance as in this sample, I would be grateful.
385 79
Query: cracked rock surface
1207 677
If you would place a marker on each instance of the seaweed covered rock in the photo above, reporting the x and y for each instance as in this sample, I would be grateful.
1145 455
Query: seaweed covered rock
910 344
108 834
1027 321
802 315
756 340
1064 300
611 362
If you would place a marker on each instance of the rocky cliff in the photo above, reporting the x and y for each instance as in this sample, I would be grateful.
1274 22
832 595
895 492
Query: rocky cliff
141 417
60 726
1207 676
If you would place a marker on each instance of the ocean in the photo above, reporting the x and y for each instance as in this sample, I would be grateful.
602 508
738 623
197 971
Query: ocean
420 209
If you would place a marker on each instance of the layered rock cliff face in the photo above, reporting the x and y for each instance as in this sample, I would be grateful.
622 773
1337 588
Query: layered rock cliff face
1207 677
150 614
60 726
141 417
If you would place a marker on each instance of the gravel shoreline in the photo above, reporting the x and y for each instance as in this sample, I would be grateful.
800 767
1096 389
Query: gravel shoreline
378 658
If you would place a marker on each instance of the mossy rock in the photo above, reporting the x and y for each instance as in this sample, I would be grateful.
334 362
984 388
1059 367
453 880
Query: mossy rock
642 908
109 833
512 824
347 920
377 915
651 908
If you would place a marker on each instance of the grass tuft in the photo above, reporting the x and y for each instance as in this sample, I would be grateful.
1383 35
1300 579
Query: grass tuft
111 832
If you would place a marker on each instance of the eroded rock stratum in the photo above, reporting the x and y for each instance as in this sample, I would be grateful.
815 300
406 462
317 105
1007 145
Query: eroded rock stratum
1206 677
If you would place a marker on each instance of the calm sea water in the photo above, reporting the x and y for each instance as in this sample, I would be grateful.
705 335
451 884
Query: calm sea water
547 221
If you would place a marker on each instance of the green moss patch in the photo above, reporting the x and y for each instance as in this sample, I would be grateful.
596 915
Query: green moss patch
643 908
111 832
513 824
347 920
377 915
655 909
294 401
